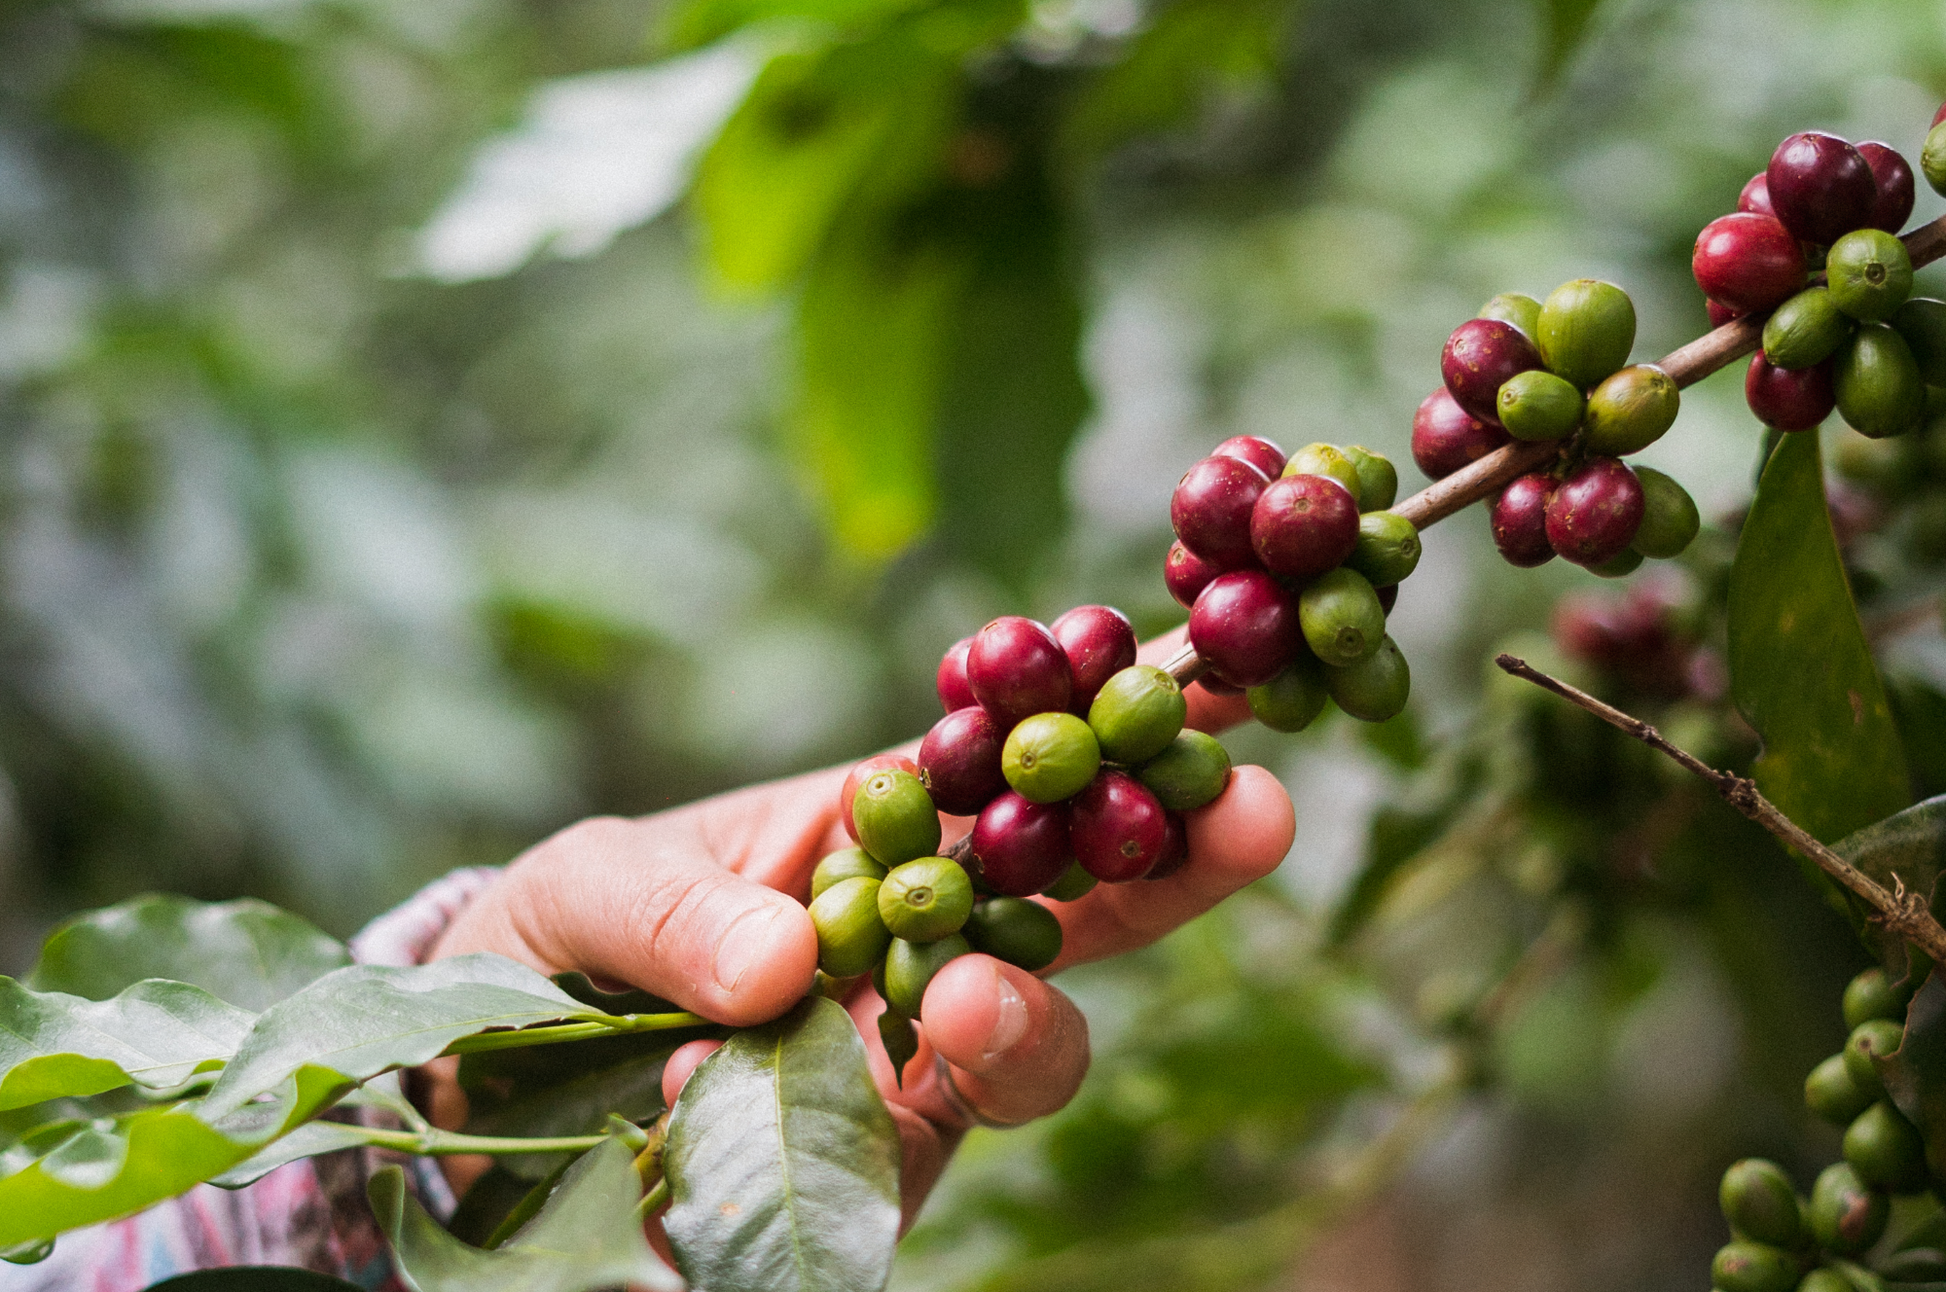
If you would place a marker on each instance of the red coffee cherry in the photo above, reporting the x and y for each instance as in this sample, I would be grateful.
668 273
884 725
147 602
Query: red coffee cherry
1100 643
860 774
1020 846
1595 512
1304 525
1720 313
1756 195
1118 831
1479 357
1748 262
1445 437
1215 685
1258 452
954 690
1246 626
1519 521
1789 400
1211 509
1017 669
1940 115
1892 178
1633 636
1175 847
1186 573
1388 596
959 761
1820 187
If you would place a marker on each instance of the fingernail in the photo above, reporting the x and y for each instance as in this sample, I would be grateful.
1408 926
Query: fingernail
744 944
1010 1024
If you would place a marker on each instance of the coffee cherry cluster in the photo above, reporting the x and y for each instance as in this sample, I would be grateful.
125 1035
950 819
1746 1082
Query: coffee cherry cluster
1782 1242
1639 639
1289 567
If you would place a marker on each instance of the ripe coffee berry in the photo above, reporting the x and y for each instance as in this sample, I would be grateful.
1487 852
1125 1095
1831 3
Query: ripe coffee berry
1595 512
1479 357
1118 830
1017 669
1175 849
1304 525
1820 187
954 690
959 761
1211 509
1519 521
1719 313
1020 847
1258 452
1099 642
1445 437
895 817
1892 177
1756 195
1787 400
1186 573
1747 262
1246 626
860 774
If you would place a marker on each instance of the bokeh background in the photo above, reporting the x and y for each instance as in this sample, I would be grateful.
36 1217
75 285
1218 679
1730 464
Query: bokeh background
422 425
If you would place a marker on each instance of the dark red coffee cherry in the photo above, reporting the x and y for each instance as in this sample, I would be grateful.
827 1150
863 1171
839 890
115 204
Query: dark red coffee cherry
1017 669
1820 187
1100 642
1118 831
1787 400
860 774
1215 685
954 690
1304 525
1892 178
959 761
1175 848
1479 357
1756 195
1019 846
1445 437
1211 509
1595 512
1748 262
1519 521
1246 626
1388 596
1186 573
1940 115
1257 451
1720 313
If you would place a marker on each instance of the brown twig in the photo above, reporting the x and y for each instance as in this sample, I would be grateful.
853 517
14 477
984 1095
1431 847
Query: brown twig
1902 912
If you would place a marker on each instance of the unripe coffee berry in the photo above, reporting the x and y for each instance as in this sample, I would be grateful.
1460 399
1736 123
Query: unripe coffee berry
864 771
1631 410
1747 262
1820 187
1342 619
910 968
1875 1039
1871 995
1876 383
1191 773
1258 452
1592 515
1670 521
1619 566
1760 1204
1445 437
1788 401
1825 1280
1886 1150
847 863
895 817
1523 311
1329 461
1246 626
1019 847
1756 195
954 690
1378 479
1024 934
1830 1092
1869 273
1017 669
959 761
1922 322
1293 699
1099 642
1846 1216
1187 574
924 900
1117 831
1479 357
1518 519
1892 178
1304 525
851 934
1587 328
1211 509
1387 549
1807 329
1753 1267
1050 756
1374 689
1932 159
1538 405
1073 885
1137 714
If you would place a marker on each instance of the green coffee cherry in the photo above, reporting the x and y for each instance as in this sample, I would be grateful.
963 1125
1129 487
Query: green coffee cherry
1136 714
1760 1204
1325 460
1922 322
1630 410
1870 274
900 1038
851 863
1805 330
1825 1281
910 966
1753 1267
1932 158
1831 1093
1670 520
1293 699
1876 1038
1886 1150
1378 479
925 900
1376 687
1022 933
1537 405
851 936
1341 617
1074 883
1050 757
1388 548
1189 774
1524 312
895 817
1619 566
1871 995
1877 381
1913 1265
1587 328
1846 1217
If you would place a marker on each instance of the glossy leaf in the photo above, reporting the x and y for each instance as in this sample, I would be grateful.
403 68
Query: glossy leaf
155 1035
254 1278
308 1140
1907 848
585 1237
784 1163
246 952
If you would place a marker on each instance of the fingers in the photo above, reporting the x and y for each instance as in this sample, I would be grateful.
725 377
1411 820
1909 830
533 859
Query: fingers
1207 710
1018 1048
677 1068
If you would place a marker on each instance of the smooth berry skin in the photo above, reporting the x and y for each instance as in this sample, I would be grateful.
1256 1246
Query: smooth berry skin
1820 187
863 772
1017 669
1246 626
1215 685
1175 849
1940 115
1186 573
1756 195
1595 512
955 692
1304 525
1479 357
1388 596
959 761
1445 437
1100 642
1747 262
1258 452
1892 178
1211 509
1118 831
1519 521
1789 400
1720 313
1020 846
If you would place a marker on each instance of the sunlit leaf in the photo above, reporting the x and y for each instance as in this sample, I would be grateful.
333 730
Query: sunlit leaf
784 1163
156 1035
254 1278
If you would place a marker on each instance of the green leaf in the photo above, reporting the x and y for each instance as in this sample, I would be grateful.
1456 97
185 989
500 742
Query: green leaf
156 1035
587 1236
698 22
248 953
784 1163
308 1140
1800 668
1567 27
580 1104
254 1278
1916 1075
1907 848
